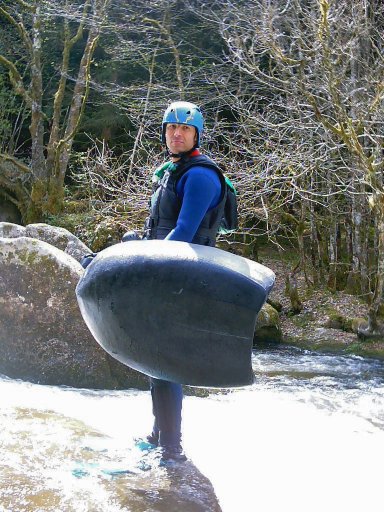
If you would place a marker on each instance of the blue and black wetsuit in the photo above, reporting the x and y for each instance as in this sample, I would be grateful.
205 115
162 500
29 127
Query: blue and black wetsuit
187 206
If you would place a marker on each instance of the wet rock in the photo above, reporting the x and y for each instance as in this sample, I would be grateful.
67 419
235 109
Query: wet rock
177 488
267 325
42 335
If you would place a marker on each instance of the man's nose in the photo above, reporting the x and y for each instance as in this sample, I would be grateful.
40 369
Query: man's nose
178 130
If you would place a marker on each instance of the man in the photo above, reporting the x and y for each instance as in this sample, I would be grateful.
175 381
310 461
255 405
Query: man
187 205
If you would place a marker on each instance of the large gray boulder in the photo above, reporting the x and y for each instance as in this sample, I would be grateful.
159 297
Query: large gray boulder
56 236
43 337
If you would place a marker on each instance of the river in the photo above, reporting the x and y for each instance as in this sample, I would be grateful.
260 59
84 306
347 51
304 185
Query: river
307 436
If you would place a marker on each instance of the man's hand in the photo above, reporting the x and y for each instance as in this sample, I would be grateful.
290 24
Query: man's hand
87 259
129 236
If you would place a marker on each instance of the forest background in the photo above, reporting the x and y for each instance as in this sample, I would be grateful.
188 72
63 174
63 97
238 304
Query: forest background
292 92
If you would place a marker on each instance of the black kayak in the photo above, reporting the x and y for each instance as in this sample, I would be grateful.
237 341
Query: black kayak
176 311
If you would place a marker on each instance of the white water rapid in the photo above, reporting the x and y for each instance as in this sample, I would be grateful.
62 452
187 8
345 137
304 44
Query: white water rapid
307 436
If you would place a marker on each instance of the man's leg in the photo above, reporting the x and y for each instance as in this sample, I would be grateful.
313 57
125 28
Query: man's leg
167 398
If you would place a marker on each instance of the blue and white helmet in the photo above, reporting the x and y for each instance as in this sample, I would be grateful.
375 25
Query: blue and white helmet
183 112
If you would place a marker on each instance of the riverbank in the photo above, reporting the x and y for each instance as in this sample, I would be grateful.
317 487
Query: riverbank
327 320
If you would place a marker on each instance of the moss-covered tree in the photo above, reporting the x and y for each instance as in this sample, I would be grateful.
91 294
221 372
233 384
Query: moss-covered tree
38 181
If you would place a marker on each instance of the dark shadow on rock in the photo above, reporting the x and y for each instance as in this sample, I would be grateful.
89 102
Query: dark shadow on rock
173 488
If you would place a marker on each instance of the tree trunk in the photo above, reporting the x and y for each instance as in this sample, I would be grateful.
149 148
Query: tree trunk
64 146
292 291
316 256
300 240
333 256
354 280
37 124
39 190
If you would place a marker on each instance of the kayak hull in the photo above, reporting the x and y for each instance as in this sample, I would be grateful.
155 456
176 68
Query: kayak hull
176 311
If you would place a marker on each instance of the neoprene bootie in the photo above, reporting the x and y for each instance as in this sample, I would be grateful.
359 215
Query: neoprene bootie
153 439
173 453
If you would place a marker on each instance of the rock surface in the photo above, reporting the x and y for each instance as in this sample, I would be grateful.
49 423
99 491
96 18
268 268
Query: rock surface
10 230
42 335
56 236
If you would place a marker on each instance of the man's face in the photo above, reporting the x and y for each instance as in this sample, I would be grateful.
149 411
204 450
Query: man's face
180 138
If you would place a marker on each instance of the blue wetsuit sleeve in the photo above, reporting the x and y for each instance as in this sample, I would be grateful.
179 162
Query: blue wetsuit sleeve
200 190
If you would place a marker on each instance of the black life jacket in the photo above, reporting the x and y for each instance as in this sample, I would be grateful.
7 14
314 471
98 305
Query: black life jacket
166 205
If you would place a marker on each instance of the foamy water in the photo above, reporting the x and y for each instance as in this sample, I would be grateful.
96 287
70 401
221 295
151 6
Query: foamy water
309 435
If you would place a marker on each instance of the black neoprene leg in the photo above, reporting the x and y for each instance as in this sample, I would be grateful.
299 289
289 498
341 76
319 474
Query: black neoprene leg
167 400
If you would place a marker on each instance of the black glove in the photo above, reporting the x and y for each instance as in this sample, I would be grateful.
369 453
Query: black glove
129 236
87 259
